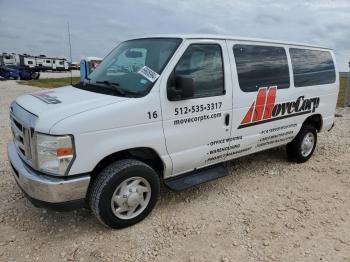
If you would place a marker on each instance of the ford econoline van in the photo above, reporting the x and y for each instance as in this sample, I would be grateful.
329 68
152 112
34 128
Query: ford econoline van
168 110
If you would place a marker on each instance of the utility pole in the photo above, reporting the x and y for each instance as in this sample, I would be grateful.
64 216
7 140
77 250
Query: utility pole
70 54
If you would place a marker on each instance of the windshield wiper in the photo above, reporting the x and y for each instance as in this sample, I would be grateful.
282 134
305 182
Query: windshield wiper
114 85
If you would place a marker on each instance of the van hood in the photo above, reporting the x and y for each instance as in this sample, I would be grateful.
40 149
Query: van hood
53 105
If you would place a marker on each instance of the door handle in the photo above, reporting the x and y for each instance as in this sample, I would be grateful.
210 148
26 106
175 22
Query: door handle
227 119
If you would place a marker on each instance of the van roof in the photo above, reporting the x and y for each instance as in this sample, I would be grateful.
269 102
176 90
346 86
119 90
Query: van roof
227 37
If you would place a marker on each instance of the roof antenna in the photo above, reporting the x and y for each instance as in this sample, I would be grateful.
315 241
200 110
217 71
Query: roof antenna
70 54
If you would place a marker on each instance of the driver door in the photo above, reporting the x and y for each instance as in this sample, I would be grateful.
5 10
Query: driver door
197 129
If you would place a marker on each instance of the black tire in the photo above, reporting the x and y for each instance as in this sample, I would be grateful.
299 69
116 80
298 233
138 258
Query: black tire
107 182
294 148
34 75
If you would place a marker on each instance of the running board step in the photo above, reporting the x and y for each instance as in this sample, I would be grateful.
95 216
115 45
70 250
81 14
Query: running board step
195 178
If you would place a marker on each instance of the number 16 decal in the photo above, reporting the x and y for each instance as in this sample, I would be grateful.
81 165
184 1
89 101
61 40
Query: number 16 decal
153 114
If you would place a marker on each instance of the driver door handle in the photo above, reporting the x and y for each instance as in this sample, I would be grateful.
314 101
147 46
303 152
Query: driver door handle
227 119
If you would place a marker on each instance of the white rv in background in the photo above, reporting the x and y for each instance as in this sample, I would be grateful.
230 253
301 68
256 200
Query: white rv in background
39 60
44 63
60 64
9 59
27 61
38 63
47 63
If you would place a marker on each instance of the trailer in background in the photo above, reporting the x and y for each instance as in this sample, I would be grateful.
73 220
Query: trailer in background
60 64
9 59
27 61
47 63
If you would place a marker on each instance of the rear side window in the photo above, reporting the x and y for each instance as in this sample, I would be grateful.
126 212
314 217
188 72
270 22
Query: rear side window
261 66
203 63
312 67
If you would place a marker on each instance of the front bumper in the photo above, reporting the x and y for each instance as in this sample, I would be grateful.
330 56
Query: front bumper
42 190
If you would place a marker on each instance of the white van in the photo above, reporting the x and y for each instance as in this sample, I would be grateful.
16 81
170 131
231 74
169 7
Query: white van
174 109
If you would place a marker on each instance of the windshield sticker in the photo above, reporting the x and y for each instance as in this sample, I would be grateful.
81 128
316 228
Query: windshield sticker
47 97
148 73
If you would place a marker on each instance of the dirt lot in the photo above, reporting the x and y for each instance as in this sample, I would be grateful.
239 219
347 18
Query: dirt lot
268 209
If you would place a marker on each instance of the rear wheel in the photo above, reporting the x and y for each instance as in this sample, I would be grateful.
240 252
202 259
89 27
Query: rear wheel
124 193
303 145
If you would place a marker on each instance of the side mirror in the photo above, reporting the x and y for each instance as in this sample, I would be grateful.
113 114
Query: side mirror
180 88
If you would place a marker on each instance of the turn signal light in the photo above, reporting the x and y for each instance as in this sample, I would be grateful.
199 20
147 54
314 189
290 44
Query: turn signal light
64 151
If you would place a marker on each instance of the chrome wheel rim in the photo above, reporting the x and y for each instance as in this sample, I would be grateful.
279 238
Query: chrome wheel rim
131 198
307 144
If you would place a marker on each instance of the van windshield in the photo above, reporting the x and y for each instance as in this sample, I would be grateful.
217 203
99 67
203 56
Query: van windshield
133 67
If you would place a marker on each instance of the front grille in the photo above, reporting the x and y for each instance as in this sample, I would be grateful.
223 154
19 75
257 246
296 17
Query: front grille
23 132
21 137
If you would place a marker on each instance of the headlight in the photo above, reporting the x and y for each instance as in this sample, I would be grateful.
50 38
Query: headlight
54 153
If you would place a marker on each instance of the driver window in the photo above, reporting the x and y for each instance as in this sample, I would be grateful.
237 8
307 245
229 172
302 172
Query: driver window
203 63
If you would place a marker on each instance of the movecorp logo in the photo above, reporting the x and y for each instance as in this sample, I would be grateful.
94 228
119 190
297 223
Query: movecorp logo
265 110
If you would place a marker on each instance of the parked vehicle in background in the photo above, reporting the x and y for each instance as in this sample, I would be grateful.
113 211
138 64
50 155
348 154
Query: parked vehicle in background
35 63
27 61
8 59
9 73
60 64
74 66
168 110
43 63
87 65
15 72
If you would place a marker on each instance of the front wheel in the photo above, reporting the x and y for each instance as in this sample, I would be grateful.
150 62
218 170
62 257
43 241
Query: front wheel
124 193
303 145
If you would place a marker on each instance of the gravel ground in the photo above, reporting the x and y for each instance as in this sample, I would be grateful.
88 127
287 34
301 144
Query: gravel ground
268 209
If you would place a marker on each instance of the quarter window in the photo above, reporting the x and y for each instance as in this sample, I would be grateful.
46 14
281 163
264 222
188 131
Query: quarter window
203 63
312 67
261 66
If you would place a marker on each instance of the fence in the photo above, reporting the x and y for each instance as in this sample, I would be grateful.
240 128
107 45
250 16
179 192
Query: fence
344 90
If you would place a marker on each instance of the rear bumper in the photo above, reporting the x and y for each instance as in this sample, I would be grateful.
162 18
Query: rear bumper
48 191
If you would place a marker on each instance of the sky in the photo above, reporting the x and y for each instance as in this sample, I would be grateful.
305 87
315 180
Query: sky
40 26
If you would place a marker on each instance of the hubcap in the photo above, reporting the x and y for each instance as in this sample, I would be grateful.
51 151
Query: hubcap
131 198
308 144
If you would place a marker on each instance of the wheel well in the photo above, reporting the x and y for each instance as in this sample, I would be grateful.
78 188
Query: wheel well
144 154
315 121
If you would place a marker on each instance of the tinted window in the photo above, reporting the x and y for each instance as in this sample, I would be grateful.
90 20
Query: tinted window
261 66
203 63
312 67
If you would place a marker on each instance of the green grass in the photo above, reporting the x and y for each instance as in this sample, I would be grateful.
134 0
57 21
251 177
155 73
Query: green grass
50 82
342 89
